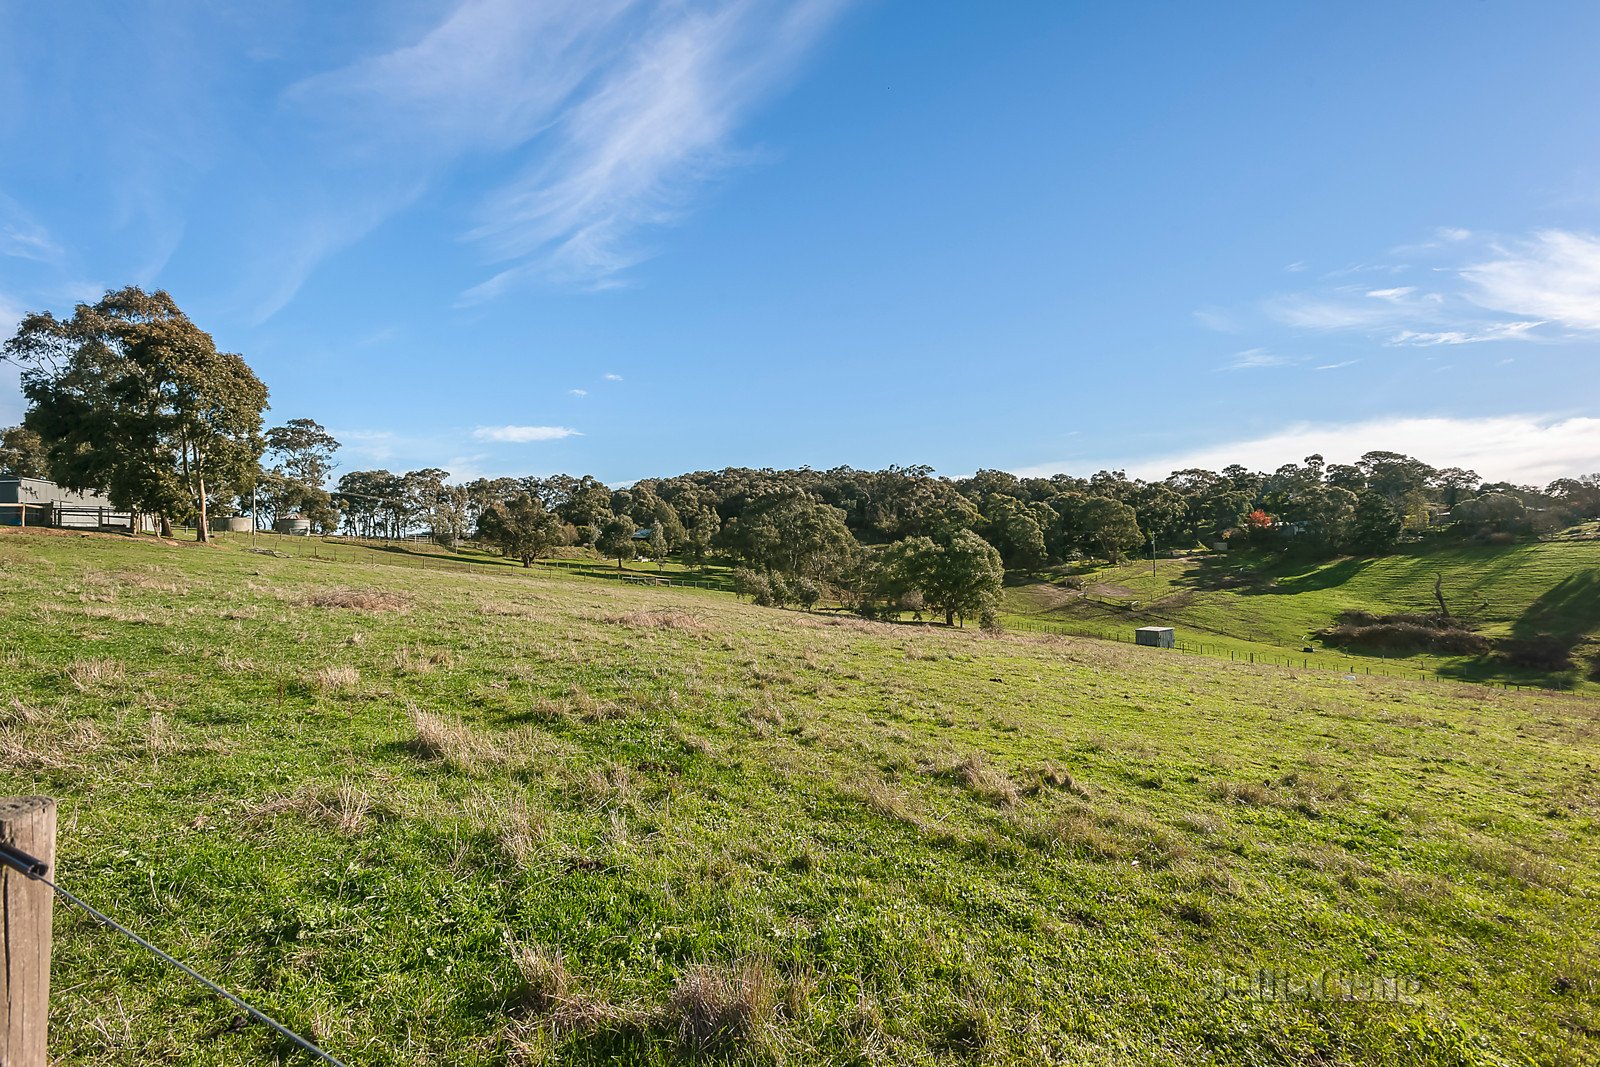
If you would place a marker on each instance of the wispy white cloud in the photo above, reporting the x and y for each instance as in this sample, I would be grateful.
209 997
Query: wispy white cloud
1343 309
1257 359
614 113
654 128
577 392
1550 282
1526 449
610 377
24 237
488 77
1555 276
371 446
1336 366
1492 331
522 435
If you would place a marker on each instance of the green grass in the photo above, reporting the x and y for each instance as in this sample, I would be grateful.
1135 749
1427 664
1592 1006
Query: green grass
1263 604
482 816
423 555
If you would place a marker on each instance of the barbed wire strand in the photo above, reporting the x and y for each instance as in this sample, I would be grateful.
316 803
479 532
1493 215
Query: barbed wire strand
254 1013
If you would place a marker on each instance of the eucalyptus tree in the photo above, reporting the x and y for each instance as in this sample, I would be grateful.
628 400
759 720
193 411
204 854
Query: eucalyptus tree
521 528
129 396
300 462
22 453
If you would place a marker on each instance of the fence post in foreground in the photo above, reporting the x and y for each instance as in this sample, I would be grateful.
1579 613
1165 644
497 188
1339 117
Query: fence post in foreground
28 824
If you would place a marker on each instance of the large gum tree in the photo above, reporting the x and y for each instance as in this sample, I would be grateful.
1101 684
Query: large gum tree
129 396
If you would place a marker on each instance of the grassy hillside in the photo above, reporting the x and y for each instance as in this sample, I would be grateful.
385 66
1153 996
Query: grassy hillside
1264 603
491 816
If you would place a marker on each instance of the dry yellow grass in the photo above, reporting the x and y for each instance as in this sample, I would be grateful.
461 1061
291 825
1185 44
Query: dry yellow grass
86 674
336 679
659 619
718 1007
367 600
345 809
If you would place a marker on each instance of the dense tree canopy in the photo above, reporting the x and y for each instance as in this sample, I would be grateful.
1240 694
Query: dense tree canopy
521 527
22 453
131 397
960 576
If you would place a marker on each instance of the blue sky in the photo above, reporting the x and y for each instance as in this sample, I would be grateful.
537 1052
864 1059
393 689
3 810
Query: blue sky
629 238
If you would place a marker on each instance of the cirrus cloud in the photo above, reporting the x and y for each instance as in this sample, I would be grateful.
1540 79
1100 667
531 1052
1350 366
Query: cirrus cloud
522 435
1459 290
1555 276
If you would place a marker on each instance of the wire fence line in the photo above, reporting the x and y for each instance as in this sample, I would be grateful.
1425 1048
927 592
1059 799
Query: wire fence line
1273 659
39 871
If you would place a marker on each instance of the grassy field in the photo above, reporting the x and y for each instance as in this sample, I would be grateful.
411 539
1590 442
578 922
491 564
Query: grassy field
482 816
1263 604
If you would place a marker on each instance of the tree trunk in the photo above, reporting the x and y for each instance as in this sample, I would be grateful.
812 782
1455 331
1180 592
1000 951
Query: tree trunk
950 618
202 532
166 525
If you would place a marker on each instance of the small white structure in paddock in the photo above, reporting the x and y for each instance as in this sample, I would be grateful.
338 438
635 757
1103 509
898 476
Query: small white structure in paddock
1155 636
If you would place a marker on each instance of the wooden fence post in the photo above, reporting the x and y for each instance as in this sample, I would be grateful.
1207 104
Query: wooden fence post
29 824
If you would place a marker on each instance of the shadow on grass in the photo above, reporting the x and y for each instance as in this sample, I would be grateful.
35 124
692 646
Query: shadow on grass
1569 610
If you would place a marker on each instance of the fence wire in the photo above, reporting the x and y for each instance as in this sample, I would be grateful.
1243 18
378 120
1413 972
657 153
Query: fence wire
38 871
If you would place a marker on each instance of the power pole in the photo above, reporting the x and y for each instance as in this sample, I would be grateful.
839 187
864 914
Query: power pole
1152 555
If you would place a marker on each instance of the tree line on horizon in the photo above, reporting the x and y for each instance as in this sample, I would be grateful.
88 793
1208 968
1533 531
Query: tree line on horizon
129 397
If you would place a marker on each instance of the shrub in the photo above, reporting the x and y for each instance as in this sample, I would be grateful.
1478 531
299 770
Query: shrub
752 584
1542 652
806 592
778 593
1413 631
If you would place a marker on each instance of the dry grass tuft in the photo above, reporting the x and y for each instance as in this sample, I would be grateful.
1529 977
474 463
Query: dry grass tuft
20 753
546 982
886 800
234 664
578 704
1050 776
335 679
346 809
1509 861
1307 794
418 661
159 736
722 1008
1105 837
452 743
606 787
984 781
115 614
19 714
372 601
520 829
660 619
551 991
86 674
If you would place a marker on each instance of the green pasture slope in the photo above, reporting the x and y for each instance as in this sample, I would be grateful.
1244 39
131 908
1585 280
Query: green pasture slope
1256 602
487 816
